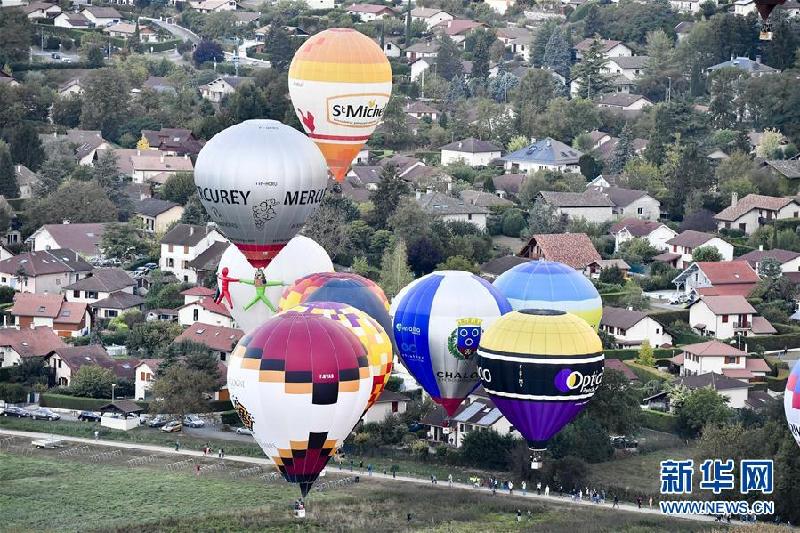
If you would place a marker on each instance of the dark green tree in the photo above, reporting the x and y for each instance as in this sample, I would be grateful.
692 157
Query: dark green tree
94 57
280 47
15 36
588 72
106 101
67 111
207 51
448 60
623 151
557 54
178 188
194 212
26 148
386 197
702 408
8 177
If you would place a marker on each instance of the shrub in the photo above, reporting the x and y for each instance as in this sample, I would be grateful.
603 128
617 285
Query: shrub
231 418
73 402
659 421
12 392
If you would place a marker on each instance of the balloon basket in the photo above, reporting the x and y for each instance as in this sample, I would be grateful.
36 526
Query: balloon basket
537 459
300 513
766 32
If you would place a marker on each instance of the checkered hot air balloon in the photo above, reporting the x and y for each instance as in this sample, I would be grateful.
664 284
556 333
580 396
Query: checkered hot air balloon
551 285
300 382
438 321
368 331
791 402
541 368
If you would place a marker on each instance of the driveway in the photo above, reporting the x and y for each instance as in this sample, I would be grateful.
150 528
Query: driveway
178 31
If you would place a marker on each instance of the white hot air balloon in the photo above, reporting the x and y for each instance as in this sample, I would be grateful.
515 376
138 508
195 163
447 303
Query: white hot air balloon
259 181
301 257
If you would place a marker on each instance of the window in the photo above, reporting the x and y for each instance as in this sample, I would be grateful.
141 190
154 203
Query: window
196 315
142 376
639 210
743 227
59 363
111 313
724 319
469 216
394 407
186 249
58 281
223 356
91 294
658 331
170 262
171 248
731 360
75 294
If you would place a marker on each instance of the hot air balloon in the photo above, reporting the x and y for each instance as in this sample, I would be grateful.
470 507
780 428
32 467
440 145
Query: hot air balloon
791 402
340 82
551 285
368 331
259 181
765 8
236 278
438 322
299 396
541 368
343 288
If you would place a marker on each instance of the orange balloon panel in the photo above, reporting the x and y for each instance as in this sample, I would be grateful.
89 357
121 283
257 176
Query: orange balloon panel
340 82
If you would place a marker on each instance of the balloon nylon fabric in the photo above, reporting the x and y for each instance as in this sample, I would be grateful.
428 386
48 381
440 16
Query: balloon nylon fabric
791 402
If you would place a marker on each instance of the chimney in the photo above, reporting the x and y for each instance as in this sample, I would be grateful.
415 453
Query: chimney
19 169
732 57
418 194
758 59
734 198
191 230
162 157
460 144
760 247
138 152
55 135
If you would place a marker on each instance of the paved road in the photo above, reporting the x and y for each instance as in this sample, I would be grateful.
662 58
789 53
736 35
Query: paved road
178 31
47 55
364 477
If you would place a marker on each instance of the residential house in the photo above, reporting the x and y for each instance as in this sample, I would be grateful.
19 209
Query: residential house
722 359
145 374
656 233
221 87
787 171
619 366
430 16
726 317
507 185
205 265
633 203
477 413
164 315
604 146
682 29
493 268
158 169
66 319
595 268
41 10
71 87
43 272
72 21
752 67
182 245
157 215
588 205
745 7
116 304
393 47
485 199
388 403
630 328
470 151
736 391
17 345
123 30
219 339
148 36
99 284
213 6
101 16
756 210
422 110
545 154
450 209
205 310
173 141
159 84
680 247
500 6
65 361
458 29
609 48
624 102
422 50
243 18
7 79
632 67
572 249
370 12
366 176
418 69
196 293
789 260
84 238
26 180
726 278
86 143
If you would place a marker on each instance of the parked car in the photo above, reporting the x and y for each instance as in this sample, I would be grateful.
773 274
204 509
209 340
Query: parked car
54 55
172 427
158 421
66 60
89 416
193 421
44 414
18 412
151 266
243 431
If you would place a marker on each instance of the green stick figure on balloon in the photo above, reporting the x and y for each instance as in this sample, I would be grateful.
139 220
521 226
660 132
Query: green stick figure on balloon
260 283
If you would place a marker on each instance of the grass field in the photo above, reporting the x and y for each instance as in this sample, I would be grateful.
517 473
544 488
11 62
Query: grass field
46 493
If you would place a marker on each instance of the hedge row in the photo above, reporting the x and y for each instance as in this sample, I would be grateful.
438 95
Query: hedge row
62 401
668 317
20 67
787 223
776 384
217 406
773 342
162 46
230 418
659 421
630 353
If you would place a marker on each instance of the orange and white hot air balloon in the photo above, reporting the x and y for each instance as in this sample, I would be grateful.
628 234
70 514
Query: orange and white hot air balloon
340 82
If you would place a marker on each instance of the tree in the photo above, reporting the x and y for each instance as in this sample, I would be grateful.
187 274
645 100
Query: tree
386 197
513 223
67 111
280 47
726 88
194 212
501 86
623 151
395 273
458 262
615 405
105 101
542 218
479 43
771 144
26 148
15 36
122 241
588 72
702 408
94 56
770 268
518 142
612 275
149 339
531 97
106 173
706 253
328 226
76 201
566 119
92 381
448 60
585 438
8 176
487 448
409 222
395 123
207 51
182 390
557 54
646 354
178 188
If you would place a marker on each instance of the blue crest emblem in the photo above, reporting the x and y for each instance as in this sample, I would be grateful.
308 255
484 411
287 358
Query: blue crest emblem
464 340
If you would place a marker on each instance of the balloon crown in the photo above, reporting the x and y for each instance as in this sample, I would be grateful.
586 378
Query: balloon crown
542 312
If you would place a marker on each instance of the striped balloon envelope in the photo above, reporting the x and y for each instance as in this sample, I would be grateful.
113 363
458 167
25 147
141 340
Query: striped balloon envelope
438 321
541 368
368 331
791 402
340 82
551 285
300 383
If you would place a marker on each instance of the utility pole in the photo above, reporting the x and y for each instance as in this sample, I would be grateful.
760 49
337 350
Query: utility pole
589 87
236 58
408 23
669 89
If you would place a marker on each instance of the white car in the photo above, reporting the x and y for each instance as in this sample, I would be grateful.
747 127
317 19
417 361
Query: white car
243 431
193 421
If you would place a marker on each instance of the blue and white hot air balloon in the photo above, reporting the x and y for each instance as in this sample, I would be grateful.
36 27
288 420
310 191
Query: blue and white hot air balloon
551 285
437 324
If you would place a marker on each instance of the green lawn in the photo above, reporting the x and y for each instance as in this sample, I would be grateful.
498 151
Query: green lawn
46 493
